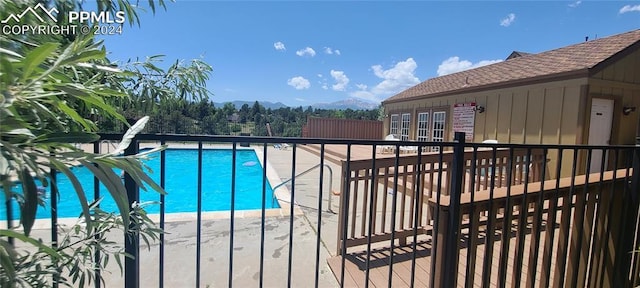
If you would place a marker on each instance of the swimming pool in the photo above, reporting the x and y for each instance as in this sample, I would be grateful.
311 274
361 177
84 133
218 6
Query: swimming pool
181 184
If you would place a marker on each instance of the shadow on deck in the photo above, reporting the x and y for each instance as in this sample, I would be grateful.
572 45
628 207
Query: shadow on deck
411 265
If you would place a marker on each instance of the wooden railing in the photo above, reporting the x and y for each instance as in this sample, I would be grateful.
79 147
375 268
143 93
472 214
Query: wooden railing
500 216
567 222
371 188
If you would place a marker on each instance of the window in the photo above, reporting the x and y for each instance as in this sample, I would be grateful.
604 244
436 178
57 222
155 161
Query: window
422 134
439 119
431 127
393 124
404 128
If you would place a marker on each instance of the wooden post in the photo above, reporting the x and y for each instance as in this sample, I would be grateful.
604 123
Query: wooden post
441 238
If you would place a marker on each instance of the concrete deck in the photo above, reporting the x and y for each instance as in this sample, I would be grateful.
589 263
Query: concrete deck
180 240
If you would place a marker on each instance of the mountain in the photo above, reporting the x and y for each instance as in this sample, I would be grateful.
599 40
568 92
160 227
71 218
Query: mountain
266 104
350 103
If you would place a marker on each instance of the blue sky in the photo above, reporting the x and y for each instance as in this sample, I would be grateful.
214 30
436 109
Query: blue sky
305 52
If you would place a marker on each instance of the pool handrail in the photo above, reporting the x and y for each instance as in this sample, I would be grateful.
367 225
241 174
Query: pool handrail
305 172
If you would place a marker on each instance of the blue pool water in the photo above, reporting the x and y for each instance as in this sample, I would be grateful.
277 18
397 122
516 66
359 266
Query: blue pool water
181 184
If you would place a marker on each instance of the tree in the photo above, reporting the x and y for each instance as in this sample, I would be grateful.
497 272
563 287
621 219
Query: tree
205 109
228 109
54 88
208 125
244 113
257 109
149 86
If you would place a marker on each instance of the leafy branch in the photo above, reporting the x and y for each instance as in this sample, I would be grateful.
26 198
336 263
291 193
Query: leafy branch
53 90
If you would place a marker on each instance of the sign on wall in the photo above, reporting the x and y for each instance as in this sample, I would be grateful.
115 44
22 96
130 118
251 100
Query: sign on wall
464 115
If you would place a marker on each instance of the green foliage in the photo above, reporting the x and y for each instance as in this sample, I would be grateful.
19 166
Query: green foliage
150 86
58 90
35 264
201 117
235 128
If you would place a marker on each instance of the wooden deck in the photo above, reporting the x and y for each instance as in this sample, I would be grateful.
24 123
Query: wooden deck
355 267
572 221
355 264
525 253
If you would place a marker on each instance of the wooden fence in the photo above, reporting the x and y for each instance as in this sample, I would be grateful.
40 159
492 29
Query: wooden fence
335 128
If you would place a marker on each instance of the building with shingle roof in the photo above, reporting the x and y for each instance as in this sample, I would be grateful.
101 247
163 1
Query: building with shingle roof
516 54
586 93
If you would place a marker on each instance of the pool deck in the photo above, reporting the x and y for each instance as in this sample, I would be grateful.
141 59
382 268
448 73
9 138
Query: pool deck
180 241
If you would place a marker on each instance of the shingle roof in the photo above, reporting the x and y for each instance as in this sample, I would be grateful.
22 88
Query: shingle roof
516 54
574 58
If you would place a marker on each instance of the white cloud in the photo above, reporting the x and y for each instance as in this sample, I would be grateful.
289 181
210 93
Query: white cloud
307 51
454 64
629 8
341 80
506 22
330 51
575 4
400 77
279 46
322 82
299 82
299 99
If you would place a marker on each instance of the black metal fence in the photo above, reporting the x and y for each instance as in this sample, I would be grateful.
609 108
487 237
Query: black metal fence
471 214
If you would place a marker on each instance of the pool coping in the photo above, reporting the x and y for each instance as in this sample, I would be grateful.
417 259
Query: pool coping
281 194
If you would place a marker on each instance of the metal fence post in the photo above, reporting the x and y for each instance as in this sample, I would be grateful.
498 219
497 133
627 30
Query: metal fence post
451 250
635 178
635 206
131 264
624 254
53 198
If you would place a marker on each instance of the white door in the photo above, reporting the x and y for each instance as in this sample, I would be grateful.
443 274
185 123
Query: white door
600 129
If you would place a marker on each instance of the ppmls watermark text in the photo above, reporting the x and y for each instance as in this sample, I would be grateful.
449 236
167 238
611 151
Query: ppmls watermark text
79 22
